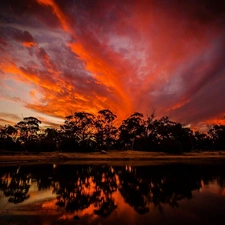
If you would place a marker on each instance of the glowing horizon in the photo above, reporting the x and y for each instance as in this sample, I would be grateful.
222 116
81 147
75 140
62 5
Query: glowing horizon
59 57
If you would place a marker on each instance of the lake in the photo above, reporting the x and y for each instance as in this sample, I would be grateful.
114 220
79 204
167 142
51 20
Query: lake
164 193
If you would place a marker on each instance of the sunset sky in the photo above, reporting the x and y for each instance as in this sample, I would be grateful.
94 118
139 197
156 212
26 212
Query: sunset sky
58 57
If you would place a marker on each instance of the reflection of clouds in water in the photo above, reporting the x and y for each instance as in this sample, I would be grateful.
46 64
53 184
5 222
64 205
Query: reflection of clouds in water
88 213
40 196
89 216
212 187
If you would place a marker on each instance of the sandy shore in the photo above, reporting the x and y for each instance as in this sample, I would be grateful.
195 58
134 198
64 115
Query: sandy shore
111 157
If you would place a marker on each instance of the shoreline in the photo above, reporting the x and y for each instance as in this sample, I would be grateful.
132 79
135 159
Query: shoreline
112 157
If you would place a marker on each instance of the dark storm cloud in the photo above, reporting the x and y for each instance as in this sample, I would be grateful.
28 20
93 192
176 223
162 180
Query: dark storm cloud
27 12
23 36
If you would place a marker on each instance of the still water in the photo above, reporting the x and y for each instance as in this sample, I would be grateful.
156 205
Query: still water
75 194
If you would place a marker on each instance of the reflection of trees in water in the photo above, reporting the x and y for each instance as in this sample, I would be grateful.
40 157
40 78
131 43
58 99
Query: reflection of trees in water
138 186
71 189
15 186
85 187
215 173
141 186
15 182
78 187
105 181
134 189
173 186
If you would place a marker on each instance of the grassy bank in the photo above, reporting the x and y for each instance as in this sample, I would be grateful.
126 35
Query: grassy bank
112 156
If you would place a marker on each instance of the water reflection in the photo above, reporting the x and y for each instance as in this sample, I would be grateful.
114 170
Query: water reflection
16 186
86 186
102 189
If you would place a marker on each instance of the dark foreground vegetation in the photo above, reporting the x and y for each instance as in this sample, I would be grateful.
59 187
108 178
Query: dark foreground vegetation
85 132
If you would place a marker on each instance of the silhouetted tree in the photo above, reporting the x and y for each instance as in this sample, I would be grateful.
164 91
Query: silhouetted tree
48 141
28 129
217 133
84 125
202 141
106 133
166 135
132 128
84 131
8 131
51 134
79 129
8 138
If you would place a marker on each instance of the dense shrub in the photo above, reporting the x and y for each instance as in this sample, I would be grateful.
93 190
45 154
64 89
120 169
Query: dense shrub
171 146
9 145
30 146
86 146
68 145
46 146
40 146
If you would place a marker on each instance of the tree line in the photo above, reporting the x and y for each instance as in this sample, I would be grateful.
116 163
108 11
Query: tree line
85 132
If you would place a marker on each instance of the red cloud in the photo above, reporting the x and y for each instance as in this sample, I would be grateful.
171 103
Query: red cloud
126 56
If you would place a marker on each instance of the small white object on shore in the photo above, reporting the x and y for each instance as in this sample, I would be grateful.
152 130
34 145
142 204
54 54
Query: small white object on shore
103 151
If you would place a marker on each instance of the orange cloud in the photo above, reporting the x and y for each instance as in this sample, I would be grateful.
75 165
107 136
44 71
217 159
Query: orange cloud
104 73
216 121
63 19
127 56
179 104
29 44
58 97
